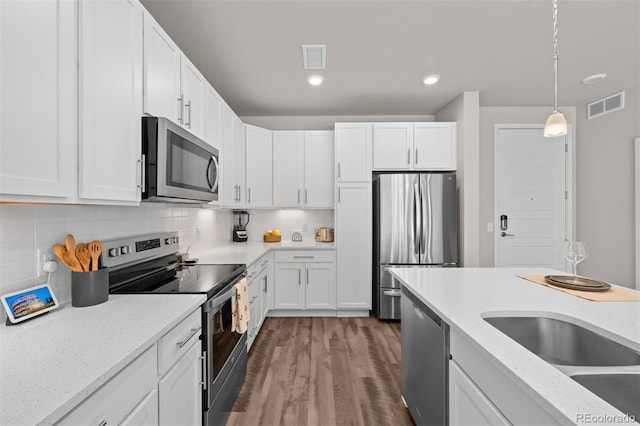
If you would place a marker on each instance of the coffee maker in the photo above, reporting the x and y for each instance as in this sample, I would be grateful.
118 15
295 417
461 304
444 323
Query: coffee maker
240 225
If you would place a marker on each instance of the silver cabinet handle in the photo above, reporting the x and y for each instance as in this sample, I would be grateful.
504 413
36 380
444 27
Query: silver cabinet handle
188 105
103 423
265 286
303 257
416 158
194 331
504 234
298 196
239 193
338 169
338 194
299 277
307 276
306 198
408 156
180 103
249 195
143 172
392 293
203 359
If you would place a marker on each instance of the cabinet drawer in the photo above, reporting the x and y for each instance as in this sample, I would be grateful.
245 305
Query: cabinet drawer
119 396
173 345
254 269
305 256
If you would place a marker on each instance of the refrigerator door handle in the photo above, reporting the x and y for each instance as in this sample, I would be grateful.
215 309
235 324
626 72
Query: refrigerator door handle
417 227
422 224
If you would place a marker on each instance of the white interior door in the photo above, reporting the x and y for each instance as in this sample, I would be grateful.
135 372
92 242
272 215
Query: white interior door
531 197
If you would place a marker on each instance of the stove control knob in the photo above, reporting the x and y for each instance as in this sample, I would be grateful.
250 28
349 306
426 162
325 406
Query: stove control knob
174 240
114 252
167 240
125 250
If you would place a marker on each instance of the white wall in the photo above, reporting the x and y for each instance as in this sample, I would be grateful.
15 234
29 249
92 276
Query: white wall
465 111
605 190
26 229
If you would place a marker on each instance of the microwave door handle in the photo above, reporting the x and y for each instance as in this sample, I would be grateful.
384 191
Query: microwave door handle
214 186
208 173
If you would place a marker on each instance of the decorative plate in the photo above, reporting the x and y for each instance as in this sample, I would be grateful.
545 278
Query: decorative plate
577 283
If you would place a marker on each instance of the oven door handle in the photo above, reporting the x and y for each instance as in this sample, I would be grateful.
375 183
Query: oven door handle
216 301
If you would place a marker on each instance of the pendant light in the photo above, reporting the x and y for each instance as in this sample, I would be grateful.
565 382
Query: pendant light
556 123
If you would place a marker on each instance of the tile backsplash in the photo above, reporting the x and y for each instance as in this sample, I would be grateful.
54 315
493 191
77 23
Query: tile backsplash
28 231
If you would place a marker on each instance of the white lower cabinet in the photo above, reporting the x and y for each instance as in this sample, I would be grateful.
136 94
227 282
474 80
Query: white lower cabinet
259 277
163 386
180 390
468 405
305 280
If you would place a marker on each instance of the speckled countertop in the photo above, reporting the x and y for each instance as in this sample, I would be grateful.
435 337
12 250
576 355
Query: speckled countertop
463 296
50 364
248 252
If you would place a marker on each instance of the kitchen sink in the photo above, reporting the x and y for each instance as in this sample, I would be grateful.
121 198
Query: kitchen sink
563 343
622 390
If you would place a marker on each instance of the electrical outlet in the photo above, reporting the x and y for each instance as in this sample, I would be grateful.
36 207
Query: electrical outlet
42 257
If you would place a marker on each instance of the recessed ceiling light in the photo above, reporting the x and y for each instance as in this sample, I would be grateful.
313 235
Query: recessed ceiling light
430 79
593 79
315 80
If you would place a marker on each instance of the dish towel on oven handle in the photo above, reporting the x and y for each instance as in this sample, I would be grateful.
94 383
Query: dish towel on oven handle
240 307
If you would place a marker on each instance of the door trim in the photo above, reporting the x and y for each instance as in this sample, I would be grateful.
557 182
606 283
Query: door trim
569 179
637 190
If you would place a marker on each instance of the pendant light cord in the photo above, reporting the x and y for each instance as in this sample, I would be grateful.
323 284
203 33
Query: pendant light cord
555 55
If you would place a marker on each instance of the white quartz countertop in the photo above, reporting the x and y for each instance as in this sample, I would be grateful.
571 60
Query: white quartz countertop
248 252
463 296
50 364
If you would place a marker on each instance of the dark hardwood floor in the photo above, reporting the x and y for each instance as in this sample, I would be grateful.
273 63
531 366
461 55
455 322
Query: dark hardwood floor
323 371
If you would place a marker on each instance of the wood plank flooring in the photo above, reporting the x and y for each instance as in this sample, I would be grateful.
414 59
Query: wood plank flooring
323 371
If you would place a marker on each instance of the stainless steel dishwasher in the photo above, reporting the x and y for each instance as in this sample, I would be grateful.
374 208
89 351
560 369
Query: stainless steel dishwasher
425 362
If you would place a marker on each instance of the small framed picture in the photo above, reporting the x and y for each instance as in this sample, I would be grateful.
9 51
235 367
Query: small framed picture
28 303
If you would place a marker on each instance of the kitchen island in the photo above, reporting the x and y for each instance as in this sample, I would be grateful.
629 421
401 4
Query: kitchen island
462 297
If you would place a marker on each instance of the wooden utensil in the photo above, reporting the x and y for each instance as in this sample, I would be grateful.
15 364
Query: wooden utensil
84 256
70 260
95 248
70 243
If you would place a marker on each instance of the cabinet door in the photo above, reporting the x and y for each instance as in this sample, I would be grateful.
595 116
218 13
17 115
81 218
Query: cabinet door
434 146
161 72
288 164
259 166
320 290
110 99
145 413
193 90
353 246
289 286
38 106
353 151
468 405
319 179
213 118
265 283
228 158
180 391
240 146
392 146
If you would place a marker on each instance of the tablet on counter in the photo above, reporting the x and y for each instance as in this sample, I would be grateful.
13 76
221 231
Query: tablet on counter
28 303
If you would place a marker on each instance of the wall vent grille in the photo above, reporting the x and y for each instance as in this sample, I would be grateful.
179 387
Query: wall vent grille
314 56
605 105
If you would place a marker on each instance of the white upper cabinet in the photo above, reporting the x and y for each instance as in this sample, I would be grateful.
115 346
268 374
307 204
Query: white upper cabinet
353 151
434 146
319 180
161 72
288 169
38 106
173 87
110 99
233 159
258 166
303 169
213 118
414 146
193 91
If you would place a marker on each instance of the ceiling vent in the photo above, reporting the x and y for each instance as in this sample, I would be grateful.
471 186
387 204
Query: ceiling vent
314 56
605 105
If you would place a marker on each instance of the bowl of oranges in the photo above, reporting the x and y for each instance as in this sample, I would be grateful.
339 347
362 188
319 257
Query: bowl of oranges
272 236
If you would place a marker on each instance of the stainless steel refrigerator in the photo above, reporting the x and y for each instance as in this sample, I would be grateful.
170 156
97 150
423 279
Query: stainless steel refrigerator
415 224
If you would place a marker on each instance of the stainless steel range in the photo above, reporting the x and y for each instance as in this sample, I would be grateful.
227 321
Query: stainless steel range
148 264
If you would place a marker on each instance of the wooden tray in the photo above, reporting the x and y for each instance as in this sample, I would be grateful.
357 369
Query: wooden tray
272 239
584 284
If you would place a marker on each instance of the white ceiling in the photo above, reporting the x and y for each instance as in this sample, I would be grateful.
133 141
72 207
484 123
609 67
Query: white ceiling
378 52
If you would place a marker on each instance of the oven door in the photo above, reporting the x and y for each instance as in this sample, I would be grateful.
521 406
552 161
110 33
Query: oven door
187 167
220 340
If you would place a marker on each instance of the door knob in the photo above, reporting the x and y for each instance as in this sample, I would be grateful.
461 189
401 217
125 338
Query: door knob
504 234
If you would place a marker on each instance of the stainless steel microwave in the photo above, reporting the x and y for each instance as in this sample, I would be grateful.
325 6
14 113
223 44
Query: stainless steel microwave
177 166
